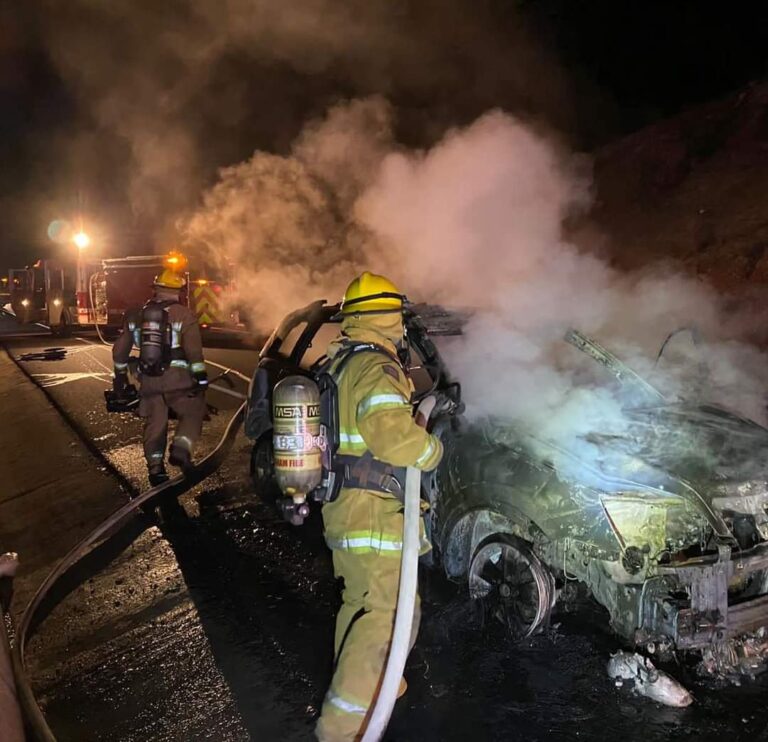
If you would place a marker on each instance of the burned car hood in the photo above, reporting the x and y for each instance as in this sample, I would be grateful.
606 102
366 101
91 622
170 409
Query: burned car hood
693 444
661 447
702 443
684 448
704 456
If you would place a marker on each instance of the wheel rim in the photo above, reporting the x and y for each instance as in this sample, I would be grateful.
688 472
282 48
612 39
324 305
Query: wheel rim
511 585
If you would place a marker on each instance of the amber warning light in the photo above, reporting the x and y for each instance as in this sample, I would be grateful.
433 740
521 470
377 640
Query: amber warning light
176 261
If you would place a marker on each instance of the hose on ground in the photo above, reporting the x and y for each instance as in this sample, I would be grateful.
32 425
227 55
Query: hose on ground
172 488
400 645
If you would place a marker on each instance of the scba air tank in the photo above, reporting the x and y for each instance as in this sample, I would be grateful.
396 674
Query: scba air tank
296 437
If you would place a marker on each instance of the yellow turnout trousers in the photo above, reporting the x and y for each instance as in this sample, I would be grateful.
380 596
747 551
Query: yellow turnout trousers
365 530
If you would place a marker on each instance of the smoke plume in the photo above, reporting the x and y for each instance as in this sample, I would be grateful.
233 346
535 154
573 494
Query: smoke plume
286 224
470 216
477 222
186 86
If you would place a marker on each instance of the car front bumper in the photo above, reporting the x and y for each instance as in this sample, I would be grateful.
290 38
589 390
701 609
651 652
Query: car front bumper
690 602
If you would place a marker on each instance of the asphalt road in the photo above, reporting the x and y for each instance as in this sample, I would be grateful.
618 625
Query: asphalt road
168 641
214 620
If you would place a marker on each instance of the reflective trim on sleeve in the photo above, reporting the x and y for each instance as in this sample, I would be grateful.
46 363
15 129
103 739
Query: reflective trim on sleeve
381 402
120 366
428 453
342 704
197 366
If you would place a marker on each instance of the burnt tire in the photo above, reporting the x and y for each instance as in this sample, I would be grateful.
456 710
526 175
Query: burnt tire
263 470
511 585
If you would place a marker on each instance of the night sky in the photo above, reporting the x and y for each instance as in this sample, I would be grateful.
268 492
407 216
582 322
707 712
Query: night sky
79 79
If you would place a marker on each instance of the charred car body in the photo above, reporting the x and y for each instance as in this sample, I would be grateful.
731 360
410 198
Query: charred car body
670 534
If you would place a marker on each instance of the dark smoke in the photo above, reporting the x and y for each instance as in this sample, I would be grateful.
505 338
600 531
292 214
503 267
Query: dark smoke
171 91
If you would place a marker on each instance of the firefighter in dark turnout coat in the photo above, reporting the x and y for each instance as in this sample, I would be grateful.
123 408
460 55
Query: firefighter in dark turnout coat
171 372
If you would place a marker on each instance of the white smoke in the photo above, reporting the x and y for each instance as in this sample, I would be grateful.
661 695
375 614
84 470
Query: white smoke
477 221
285 223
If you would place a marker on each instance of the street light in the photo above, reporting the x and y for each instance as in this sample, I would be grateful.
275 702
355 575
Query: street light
84 310
82 240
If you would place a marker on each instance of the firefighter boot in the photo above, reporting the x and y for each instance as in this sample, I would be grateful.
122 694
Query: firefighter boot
157 474
180 453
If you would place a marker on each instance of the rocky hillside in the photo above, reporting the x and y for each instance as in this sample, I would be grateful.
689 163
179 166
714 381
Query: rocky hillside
693 189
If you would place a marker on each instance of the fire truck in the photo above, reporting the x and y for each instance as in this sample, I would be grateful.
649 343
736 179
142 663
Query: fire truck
97 294
43 293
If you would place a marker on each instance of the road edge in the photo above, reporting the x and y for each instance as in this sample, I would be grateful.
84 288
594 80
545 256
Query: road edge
125 484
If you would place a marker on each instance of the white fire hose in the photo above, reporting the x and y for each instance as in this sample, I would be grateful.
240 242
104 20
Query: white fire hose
406 597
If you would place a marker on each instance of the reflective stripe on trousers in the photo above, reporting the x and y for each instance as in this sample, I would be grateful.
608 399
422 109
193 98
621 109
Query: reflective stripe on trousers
344 705
361 542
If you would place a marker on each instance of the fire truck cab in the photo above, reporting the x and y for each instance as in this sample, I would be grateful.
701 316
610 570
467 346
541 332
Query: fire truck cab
43 293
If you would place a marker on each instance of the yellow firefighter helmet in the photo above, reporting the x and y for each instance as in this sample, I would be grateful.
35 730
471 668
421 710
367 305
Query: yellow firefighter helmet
372 293
169 279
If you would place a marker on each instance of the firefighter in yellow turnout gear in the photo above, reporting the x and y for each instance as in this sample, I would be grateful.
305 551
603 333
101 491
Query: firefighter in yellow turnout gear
364 525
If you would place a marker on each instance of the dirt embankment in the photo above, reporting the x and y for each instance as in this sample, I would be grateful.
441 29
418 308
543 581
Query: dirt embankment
692 189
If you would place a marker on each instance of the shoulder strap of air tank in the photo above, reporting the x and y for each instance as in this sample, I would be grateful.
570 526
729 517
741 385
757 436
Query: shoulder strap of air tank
162 304
352 349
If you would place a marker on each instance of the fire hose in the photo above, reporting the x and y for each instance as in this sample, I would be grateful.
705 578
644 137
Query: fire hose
406 597
400 644
172 488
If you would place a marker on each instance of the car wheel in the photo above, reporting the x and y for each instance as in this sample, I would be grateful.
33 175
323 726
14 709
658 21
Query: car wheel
511 585
263 470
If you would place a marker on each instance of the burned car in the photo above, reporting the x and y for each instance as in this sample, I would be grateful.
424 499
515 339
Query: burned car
670 536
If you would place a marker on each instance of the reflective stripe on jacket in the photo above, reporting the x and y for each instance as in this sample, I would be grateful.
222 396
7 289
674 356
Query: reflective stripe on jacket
375 411
375 414
185 334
